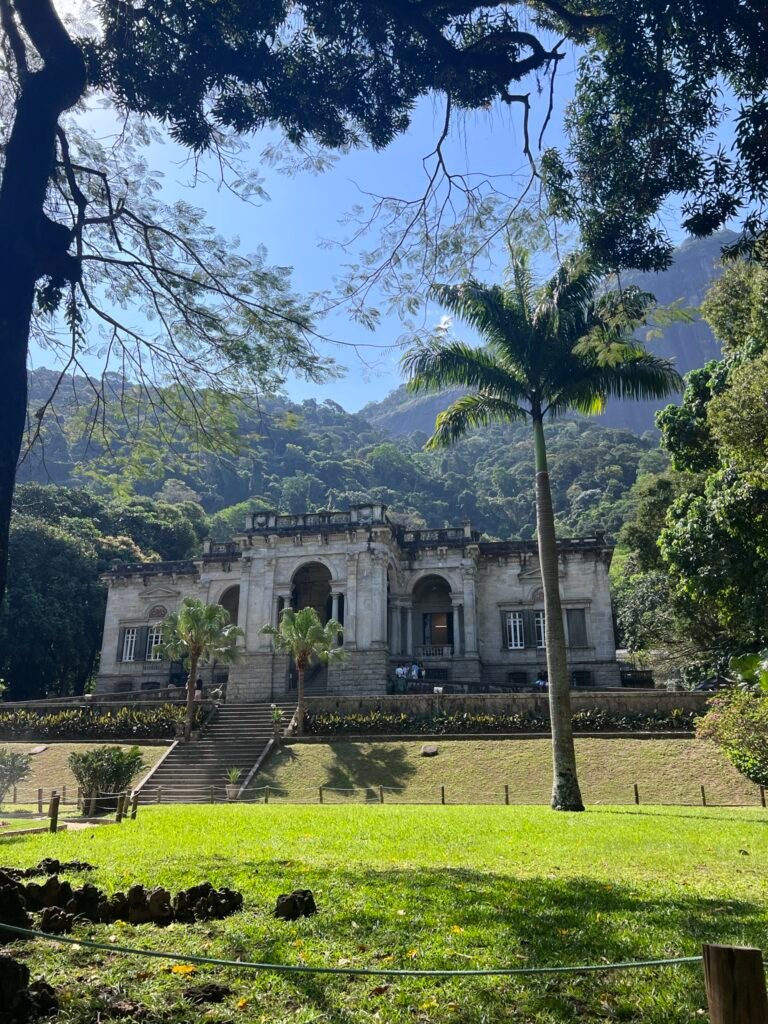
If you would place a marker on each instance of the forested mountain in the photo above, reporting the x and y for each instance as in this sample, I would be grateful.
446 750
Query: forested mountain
313 455
690 345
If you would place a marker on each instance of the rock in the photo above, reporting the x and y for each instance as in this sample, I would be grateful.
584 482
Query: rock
56 921
429 750
296 904
52 893
21 1002
13 909
209 993
204 903
85 902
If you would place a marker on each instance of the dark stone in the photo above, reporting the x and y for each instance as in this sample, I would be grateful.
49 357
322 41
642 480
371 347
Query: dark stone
48 866
56 921
429 750
21 1002
85 902
209 993
296 904
52 893
13 909
204 903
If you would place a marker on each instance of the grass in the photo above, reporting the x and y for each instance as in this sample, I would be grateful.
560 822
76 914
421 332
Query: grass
475 771
421 887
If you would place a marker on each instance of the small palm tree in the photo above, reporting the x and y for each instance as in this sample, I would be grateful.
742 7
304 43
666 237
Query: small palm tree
302 635
197 634
548 349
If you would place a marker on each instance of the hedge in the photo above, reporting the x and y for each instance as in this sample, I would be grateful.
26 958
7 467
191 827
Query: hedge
590 720
88 723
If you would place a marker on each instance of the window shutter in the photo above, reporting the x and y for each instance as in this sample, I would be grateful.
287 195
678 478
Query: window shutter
141 644
529 628
120 643
577 627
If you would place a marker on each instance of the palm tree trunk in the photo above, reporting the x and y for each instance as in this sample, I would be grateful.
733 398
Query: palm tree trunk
300 706
566 795
190 697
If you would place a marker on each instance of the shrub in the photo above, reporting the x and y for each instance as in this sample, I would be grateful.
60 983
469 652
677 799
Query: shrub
14 768
379 722
95 723
737 721
107 770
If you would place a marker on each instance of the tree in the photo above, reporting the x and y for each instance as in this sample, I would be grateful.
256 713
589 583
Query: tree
737 721
196 634
107 770
302 635
656 90
563 346
14 768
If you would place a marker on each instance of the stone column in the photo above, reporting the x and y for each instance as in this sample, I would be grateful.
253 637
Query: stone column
456 604
409 628
335 605
378 595
470 616
396 633
350 603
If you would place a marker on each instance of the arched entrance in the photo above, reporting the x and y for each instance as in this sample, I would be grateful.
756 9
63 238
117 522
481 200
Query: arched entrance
230 600
433 617
311 588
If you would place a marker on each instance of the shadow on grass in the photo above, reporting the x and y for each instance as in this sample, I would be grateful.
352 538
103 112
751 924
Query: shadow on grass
671 813
351 762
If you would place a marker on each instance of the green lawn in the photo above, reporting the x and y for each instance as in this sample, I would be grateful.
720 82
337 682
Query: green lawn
426 887
476 771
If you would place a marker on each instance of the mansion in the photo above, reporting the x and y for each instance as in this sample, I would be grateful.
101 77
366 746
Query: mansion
469 611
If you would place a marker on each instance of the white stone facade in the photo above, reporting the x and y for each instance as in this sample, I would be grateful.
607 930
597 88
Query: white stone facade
470 612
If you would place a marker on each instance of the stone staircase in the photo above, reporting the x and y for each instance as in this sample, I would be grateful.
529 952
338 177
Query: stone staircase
196 772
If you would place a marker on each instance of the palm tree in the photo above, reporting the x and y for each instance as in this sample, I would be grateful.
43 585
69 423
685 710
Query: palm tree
302 635
565 345
197 634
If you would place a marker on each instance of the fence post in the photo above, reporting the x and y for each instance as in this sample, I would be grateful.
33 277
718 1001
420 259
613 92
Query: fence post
506 793
39 801
321 794
637 794
63 794
735 980
703 797
213 795
134 805
381 794
119 813
80 798
14 796
266 794
442 794
762 796
159 794
53 811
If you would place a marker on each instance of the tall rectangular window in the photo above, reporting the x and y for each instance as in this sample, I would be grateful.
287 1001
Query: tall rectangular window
515 637
129 644
154 639
539 622
577 627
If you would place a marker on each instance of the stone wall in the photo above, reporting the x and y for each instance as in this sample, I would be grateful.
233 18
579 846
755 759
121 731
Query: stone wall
622 701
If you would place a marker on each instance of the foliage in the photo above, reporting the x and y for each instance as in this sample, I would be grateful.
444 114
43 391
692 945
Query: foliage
380 722
14 768
751 670
737 721
106 769
654 94
135 722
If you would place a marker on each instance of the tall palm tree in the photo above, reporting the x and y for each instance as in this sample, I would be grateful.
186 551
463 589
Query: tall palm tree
564 345
302 635
197 634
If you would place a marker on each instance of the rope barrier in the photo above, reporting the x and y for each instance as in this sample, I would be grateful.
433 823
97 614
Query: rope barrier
377 972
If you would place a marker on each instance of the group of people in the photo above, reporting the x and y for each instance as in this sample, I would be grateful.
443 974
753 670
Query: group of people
414 671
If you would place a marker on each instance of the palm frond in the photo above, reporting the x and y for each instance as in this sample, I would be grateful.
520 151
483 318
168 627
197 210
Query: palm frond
469 412
434 367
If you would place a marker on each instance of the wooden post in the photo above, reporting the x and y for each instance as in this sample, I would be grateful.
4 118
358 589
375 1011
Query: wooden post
321 794
13 801
120 803
637 794
213 795
80 798
63 794
134 805
442 794
762 796
735 980
53 811
39 801
159 793
506 793
266 794
703 797
381 794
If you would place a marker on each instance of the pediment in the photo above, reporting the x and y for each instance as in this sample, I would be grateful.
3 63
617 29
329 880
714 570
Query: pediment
155 593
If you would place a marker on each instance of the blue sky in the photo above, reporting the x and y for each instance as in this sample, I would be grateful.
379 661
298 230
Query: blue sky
306 213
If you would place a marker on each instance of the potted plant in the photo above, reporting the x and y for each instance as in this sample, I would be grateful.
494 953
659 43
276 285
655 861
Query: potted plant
233 778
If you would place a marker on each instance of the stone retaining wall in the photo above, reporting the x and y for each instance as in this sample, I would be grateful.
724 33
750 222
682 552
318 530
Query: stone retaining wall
621 701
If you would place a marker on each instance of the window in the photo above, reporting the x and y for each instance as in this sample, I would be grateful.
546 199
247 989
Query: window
129 644
437 629
515 638
577 627
539 625
154 639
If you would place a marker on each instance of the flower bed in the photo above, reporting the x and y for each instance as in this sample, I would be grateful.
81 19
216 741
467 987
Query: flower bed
380 722
87 723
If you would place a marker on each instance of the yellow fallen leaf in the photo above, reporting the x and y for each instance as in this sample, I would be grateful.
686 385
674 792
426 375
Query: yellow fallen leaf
413 953
429 1005
183 969
242 1003
298 942
457 929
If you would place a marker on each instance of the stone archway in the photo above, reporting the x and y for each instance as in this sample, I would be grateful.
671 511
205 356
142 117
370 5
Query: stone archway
434 621
311 588
230 601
